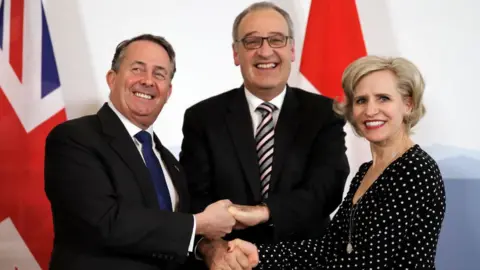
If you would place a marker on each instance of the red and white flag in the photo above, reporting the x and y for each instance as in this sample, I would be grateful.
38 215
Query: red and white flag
333 39
31 104
328 37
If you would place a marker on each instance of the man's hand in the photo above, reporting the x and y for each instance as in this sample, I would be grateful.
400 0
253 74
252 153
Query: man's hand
247 248
217 256
215 221
249 215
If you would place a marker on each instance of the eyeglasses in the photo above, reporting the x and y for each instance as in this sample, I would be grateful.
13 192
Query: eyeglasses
255 42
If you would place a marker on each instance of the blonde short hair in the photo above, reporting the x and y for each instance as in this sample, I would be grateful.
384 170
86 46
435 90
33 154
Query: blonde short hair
409 81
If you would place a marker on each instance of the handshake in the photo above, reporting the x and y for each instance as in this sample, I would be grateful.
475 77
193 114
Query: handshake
218 220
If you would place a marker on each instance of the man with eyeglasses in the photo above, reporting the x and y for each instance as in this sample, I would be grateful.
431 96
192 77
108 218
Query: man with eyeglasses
277 152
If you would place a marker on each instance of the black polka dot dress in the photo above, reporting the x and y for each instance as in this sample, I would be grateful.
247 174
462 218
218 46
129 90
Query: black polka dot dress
394 225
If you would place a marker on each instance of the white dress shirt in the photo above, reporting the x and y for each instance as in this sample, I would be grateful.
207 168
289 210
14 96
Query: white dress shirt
132 131
253 102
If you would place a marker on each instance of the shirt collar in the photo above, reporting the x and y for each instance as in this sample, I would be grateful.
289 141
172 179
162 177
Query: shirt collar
131 128
253 101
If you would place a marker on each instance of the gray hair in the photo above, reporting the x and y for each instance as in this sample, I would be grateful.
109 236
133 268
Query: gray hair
122 46
260 6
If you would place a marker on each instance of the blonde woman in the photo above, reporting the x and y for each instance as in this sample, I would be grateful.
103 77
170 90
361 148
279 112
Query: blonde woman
393 212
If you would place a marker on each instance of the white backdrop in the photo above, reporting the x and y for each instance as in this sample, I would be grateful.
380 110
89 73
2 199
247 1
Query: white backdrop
440 36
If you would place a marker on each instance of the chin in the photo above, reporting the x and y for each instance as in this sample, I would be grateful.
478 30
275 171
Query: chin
376 138
267 85
376 141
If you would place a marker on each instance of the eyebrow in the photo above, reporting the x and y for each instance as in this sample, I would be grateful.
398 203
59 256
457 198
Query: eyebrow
269 34
277 33
137 62
250 34
376 95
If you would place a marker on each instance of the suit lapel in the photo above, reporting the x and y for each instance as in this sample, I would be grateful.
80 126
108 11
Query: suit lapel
239 124
123 145
285 131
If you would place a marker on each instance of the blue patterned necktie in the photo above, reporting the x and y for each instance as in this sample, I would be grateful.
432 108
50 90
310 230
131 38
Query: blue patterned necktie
155 169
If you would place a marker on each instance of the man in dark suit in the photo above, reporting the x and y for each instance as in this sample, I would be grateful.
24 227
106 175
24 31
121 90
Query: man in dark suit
119 198
276 150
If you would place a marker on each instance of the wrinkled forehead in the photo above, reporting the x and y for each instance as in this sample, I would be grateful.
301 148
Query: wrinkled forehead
263 22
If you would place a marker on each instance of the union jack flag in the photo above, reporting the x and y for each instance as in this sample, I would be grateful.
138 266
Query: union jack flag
31 104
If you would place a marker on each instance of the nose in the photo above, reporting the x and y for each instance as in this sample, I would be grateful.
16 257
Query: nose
372 109
265 50
147 79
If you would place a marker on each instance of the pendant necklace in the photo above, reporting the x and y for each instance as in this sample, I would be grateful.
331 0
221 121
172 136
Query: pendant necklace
352 215
350 226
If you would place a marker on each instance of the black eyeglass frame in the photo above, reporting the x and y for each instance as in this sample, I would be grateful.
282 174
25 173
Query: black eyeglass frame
268 39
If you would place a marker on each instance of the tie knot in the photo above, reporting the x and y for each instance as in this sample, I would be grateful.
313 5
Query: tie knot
266 107
144 137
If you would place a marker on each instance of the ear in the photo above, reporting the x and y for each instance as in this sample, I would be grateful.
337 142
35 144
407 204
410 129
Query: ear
169 93
111 77
408 104
293 50
236 60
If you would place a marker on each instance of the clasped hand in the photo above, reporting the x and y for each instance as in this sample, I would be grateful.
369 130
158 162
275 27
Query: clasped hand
247 216
219 219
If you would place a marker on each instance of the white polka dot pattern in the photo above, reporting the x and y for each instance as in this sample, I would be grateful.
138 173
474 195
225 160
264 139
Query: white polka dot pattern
396 225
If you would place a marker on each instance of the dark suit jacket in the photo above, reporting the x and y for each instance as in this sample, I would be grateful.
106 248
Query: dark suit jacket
309 165
105 210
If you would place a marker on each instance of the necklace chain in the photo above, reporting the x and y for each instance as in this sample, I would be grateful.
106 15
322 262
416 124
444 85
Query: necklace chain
353 210
350 225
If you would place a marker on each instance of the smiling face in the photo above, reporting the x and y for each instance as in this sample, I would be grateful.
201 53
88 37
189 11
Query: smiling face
379 108
142 84
265 68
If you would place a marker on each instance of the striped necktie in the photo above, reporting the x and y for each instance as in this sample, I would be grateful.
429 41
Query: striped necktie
265 145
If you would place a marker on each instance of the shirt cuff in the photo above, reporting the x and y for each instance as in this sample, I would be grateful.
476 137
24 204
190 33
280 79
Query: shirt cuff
192 239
